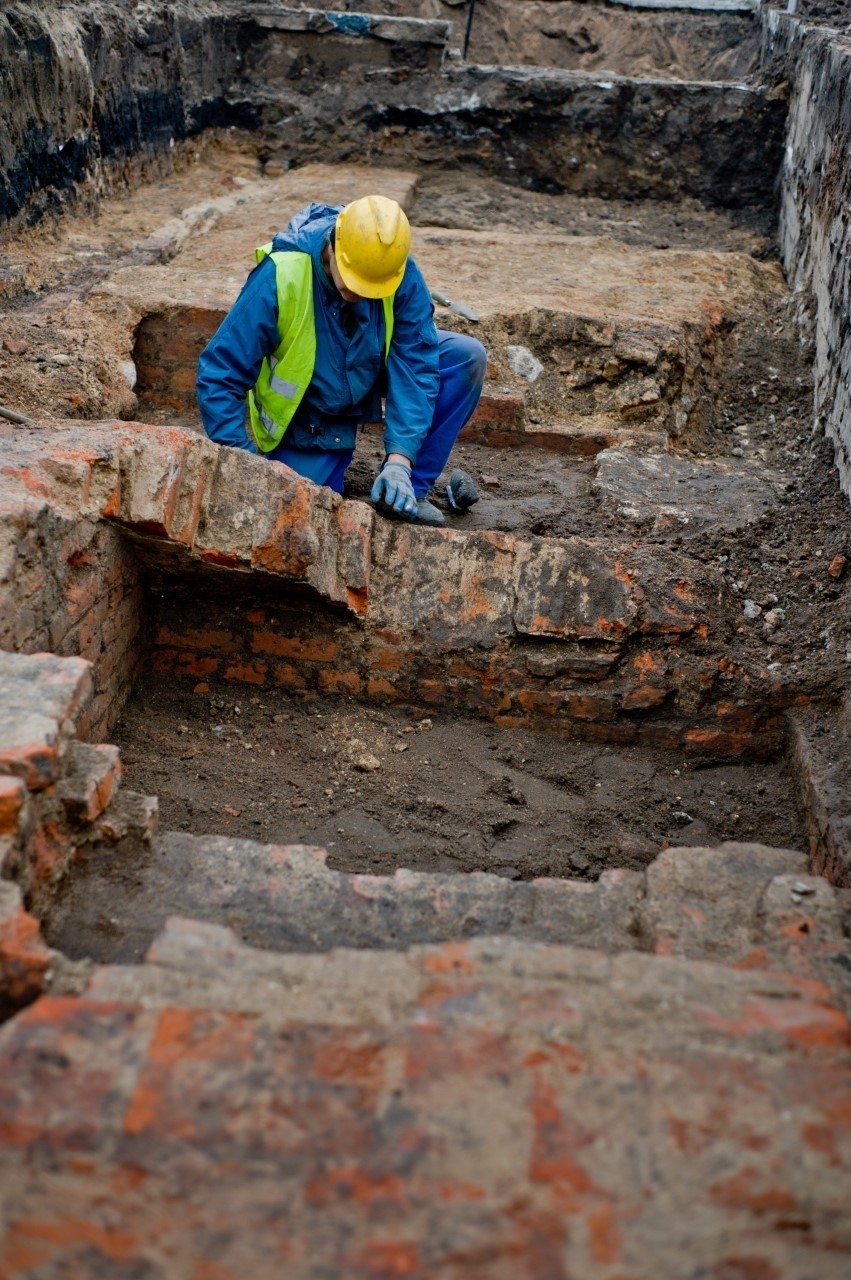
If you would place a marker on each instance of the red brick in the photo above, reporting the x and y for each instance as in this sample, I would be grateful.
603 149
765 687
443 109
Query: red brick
289 677
547 704
718 742
643 697
386 660
794 1021
247 672
616 732
751 1189
296 647
340 682
24 959
378 687
34 762
220 641
190 664
291 547
604 1237
588 706
12 796
497 410
389 1260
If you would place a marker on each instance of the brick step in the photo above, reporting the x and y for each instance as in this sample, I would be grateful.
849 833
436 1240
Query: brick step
822 748
285 898
560 1106
739 904
500 421
200 965
90 778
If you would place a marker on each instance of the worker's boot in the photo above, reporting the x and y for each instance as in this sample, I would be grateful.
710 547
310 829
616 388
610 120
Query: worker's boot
461 492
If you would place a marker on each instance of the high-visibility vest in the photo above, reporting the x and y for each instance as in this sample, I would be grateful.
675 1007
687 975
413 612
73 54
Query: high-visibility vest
285 375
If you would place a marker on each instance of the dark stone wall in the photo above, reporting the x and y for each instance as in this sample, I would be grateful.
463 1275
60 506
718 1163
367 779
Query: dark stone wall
815 213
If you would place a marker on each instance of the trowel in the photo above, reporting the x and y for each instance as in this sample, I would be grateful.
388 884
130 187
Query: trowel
460 308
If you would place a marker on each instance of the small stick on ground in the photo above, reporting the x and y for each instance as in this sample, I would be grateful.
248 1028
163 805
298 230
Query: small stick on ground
17 418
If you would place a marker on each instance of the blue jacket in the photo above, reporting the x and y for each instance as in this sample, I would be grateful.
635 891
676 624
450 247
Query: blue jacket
349 348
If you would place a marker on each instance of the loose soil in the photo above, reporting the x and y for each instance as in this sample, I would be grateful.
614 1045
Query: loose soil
407 787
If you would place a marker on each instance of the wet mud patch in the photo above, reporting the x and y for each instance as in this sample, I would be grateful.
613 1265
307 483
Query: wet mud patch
382 788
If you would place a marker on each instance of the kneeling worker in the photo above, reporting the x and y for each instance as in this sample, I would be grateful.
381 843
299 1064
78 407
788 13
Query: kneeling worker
335 317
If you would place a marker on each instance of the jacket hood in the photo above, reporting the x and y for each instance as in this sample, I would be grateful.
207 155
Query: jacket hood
308 231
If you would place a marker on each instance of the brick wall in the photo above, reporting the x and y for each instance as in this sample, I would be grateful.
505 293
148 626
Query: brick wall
73 588
653 694
168 344
264 579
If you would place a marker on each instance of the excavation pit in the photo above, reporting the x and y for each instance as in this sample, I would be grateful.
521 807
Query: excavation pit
241 722
380 789
357 1041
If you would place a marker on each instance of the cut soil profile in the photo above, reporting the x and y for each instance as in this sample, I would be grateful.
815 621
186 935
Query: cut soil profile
382 788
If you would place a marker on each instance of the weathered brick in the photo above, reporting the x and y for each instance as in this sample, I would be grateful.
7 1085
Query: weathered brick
246 672
191 638
340 682
12 797
569 589
301 649
24 958
451 590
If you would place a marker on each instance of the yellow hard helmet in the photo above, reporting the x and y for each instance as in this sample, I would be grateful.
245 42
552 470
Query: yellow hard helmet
371 245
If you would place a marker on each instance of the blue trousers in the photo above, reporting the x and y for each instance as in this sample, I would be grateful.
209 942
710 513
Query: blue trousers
462 373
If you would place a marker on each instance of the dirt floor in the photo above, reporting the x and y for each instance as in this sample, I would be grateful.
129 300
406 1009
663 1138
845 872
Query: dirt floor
383 788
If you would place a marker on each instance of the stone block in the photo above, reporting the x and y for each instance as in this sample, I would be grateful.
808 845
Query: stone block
129 814
151 462
240 508
670 492
286 899
39 696
800 911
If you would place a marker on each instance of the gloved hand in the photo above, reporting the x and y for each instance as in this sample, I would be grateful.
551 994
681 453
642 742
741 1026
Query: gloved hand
393 487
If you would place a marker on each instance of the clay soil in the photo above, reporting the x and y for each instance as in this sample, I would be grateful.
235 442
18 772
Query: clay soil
408 787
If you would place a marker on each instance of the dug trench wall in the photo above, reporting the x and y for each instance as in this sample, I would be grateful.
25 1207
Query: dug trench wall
95 89
815 222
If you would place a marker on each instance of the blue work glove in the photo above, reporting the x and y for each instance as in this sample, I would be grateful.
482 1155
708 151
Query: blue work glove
393 487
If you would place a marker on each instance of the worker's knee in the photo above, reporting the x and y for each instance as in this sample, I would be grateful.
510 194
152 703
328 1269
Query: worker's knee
477 359
465 355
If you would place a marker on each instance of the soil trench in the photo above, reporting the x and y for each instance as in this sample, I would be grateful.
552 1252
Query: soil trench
385 788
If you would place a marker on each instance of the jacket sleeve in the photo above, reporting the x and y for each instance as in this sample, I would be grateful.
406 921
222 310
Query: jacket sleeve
230 363
412 368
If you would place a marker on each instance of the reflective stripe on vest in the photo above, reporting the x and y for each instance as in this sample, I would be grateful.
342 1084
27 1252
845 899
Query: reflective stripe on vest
285 375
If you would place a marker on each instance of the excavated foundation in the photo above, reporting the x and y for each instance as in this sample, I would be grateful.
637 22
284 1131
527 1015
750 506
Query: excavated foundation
398 901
